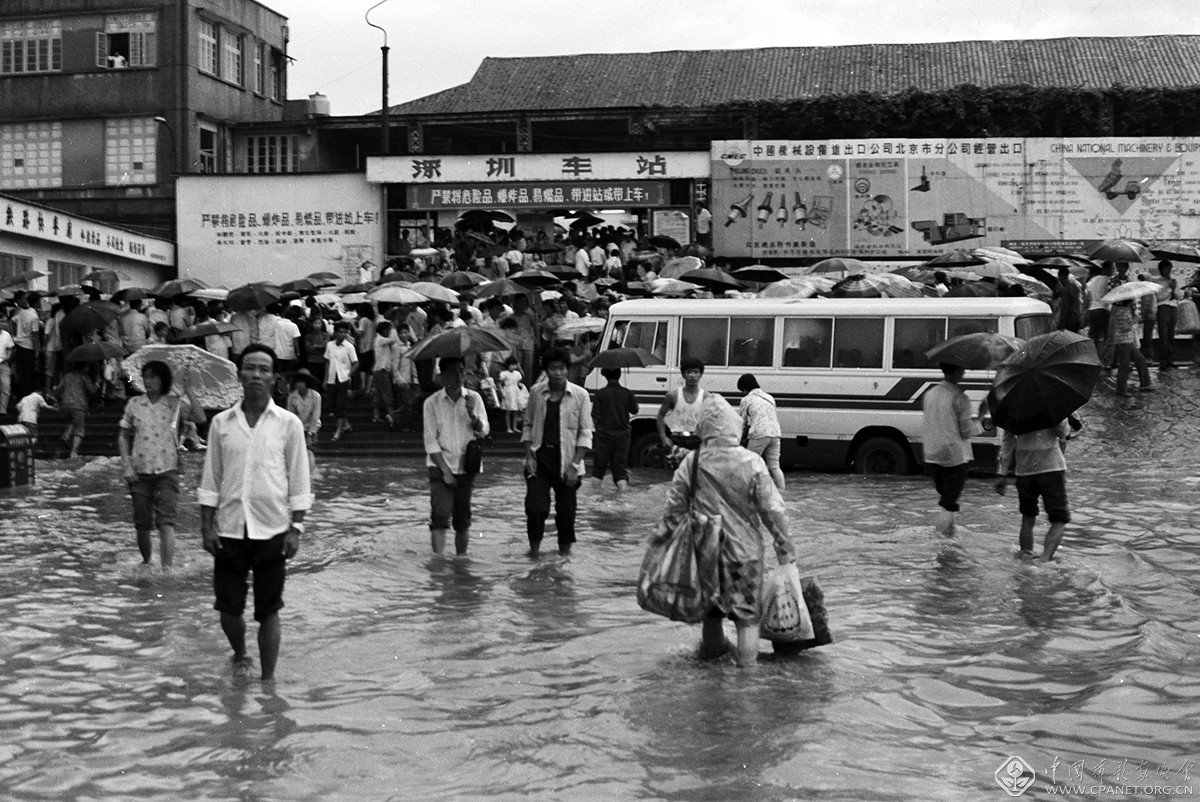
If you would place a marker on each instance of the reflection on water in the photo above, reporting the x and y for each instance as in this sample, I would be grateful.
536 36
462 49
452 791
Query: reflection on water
409 676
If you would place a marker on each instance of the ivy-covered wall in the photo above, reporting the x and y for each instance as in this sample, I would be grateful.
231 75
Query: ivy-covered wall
969 111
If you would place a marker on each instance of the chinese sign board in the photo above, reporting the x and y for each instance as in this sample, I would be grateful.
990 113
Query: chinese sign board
922 197
28 220
237 229
531 196
528 167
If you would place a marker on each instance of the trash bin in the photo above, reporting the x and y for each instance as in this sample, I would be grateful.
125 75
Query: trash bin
16 455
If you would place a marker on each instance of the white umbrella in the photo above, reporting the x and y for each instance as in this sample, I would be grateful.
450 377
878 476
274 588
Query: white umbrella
572 328
211 293
394 293
805 287
435 292
551 295
1130 290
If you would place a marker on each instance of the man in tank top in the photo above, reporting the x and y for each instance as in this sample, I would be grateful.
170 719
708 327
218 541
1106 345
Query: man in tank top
680 410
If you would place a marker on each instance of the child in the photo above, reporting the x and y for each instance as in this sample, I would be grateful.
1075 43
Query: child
406 375
510 393
72 392
305 404
28 409
611 412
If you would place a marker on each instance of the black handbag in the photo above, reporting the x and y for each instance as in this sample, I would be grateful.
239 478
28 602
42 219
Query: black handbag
473 456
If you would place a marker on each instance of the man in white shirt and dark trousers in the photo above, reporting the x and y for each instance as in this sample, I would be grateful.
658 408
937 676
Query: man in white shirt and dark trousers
253 495
948 429
453 417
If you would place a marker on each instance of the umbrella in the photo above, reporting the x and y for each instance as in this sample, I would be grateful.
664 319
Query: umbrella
973 289
361 286
680 265
211 379
478 216
301 285
90 315
566 272
804 287
104 274
21 278
435 292
585 220
396 294
572 328
604 283
859 286
501 287
663 241
624 358
545 247
130 294
77 290
1121 250
1129 291
987 269
978 351
211 294
325 278
671 286
636 288
994 253
458 343
955 258
534 278
352 298
695 249
95 352
1047 379
898 286
1034 287
395 275
1176 252
759 273
915 273
839 265
550 295
711 277
649 256
256 296
423 253
462 279
178 286
208 328
477 237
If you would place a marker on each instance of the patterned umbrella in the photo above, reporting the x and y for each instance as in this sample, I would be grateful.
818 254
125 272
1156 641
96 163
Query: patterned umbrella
804 287
213 381
677 267
897 286
1130 290
859 286
396 294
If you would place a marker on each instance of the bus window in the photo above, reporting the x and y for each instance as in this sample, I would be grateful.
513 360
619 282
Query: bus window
807 342
972 325
706 339
619 331
858 342
1028 326
648 334
751 341
912 337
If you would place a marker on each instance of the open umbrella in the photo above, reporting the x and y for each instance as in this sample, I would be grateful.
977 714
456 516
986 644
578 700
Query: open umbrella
838 264
572 328
671 286
423 253
915 273
406 276
1129 291
256 296
301 285
585 220
563 272
481 216
477 237
395 294
1033 287
21 278
461 280
994 253
680 265
898 286
955 258
759 273
77 290
695 249
1047 379
977 351
95 352
535 278
104 274
663 241
358 286
989 269
711 277
130 294
650 256
211 379
1176 252
501 288
434 292
1121 250
802 287
624 358
458 343
207 328
90 315
210 294
325 278
859 286
176 287
973 289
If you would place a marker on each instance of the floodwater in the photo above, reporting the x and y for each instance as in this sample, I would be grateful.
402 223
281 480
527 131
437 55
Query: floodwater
405 676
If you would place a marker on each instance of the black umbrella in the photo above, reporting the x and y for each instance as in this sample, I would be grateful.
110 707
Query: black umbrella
713 278
839 264
1121 250
95 352
256 296
663 241
462 280
1042 271
695 249
955 258
301 285
458 343
178 286
21 278
104 274
130 294
324 278
1176 252
501 287
624 358
535 278
977 351
586 220
480 216
89 316
973 289
1047 379
206 328
759 273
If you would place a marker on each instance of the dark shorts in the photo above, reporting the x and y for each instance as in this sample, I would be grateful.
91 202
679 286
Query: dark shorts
234 562
337 396
1051 488
155 497
77 418
949 483
450 505
366 362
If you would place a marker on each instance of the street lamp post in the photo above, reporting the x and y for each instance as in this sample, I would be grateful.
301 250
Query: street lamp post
174 147
384 136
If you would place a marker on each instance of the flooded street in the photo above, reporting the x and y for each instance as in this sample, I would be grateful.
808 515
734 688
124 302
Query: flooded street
404 676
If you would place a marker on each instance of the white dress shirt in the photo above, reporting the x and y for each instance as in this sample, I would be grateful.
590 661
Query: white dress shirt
255 477
448 427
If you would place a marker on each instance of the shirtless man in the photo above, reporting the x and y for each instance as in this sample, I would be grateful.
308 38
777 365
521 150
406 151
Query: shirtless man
680 410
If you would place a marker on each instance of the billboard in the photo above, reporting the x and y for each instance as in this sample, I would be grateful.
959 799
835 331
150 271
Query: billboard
237 229
881 198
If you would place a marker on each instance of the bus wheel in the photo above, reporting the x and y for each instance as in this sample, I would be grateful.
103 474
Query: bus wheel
647 452
881 456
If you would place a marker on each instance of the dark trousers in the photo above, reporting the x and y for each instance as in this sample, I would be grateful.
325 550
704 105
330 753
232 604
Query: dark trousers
547 478
24 371
1165 350
611 450
949 482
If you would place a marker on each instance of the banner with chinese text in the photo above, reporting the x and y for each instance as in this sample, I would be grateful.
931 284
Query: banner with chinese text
522 196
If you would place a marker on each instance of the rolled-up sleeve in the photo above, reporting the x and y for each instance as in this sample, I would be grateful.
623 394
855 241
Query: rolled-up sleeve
300 496
432 446
583 438
486 428
210 479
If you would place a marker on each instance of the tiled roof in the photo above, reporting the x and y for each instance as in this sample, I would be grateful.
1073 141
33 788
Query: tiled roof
704 78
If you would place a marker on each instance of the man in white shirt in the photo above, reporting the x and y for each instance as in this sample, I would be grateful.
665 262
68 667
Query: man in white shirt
583 263
341 361
27 334
453 417
7 346
253 496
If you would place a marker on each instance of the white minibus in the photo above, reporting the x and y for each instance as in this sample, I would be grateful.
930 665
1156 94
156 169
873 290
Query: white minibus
847 374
